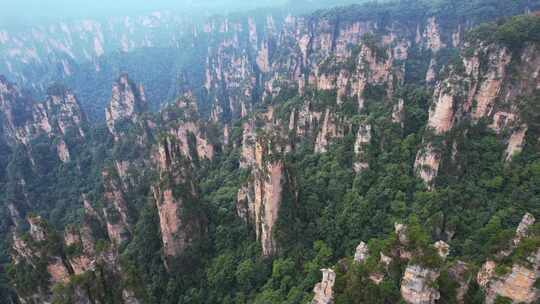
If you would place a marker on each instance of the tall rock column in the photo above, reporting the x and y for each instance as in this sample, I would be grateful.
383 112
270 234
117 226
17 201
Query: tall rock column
174 195
116 210
363 138
324 291
259 200
127 103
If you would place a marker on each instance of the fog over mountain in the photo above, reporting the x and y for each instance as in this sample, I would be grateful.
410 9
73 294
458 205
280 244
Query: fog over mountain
35 11
32 12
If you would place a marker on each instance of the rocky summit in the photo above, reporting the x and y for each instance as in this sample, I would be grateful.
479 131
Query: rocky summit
375 152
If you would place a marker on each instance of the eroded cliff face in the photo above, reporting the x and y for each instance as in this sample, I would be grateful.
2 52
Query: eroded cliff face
170 224
330 130
82 240
244 57
518 285
175 193
259 200
116 209
188 131
56 118
363 139
518 282
427 163
480 87
73 261
127 103
179 229
346 61
324 293
231 79
259 59
416 285
268 197
28 251
327 73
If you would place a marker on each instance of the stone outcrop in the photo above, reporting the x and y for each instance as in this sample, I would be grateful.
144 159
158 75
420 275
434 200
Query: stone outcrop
63 151
247 153
401 232
516 142
384 259
64 111
324 293
268 196
37 229
200 145
363 139
522 230
127 103
329 130
490 87
361 253
418 281
427 164
441 115
441 120
416 285
486 273
432 35
58 271
518 283
443 249
398 115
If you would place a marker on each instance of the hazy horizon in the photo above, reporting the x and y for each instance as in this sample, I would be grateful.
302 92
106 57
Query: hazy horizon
27 12
32 12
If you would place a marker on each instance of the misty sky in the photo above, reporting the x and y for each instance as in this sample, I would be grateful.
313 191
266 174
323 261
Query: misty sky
30 12
20 12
